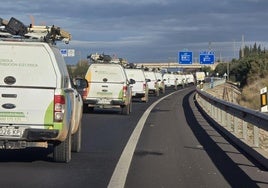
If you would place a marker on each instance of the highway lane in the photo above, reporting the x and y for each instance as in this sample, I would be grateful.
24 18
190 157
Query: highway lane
104 135
177 148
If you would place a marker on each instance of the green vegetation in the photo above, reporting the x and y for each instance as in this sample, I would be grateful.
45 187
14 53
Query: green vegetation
78 70
250 70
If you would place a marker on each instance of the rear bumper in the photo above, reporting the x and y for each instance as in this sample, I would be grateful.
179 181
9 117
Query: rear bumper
95 102
30 138
40 134
138 95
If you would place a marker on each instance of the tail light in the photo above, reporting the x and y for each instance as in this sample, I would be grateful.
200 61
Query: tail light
59 106
84 93
144 86
124 91
155 84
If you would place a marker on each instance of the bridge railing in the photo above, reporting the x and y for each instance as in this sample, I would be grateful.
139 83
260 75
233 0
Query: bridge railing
247 128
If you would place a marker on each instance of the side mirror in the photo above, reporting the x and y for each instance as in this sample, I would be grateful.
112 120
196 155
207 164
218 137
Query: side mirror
148 80
81 83
132 81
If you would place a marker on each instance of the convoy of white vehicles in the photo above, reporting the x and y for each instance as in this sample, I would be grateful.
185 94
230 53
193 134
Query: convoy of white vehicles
41 106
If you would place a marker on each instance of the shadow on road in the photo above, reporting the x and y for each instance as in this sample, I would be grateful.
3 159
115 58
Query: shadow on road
231 171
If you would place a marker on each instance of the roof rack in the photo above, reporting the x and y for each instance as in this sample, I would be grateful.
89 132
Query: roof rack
103 58
16 30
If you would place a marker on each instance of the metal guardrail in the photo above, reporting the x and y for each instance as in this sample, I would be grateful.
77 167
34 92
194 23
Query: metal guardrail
248 128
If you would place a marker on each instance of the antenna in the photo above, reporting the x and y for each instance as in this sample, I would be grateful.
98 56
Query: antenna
32 20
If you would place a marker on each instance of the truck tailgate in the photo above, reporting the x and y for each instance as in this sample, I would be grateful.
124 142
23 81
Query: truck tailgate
26 106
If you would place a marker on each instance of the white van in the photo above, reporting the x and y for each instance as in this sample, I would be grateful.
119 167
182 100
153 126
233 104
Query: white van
153 84
161 82
170 80
38 105
140 87
107 86
190 79
180 80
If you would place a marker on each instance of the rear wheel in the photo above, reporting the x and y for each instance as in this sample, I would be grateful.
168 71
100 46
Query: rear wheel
164 90
62 150
87 109
130 107
145 98
157 93
125 109
76 140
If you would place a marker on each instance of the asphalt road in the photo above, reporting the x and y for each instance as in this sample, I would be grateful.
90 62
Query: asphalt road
177 148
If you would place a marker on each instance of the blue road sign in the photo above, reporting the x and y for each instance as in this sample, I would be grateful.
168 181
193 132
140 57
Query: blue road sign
206 57
185 57
63 52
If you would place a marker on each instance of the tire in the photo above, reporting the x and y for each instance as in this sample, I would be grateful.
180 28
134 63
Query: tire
76 140
125 109
157 93
163 90
62 150
145 98
87 109
130 107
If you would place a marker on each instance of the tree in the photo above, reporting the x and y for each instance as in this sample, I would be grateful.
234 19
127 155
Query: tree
221 69
80 69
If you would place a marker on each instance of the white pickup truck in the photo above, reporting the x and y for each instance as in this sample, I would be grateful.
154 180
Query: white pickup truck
106 86
38 105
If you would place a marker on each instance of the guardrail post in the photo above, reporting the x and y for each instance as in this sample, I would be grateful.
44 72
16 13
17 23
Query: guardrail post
256 136
235 125
218 115
224 118
229 123
244 130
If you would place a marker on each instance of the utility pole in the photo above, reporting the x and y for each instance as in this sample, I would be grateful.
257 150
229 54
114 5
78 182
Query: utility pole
234 48
243 47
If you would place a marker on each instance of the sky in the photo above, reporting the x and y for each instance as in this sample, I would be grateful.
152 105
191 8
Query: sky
143 31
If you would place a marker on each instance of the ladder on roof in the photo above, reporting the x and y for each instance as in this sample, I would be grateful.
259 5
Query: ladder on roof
16 29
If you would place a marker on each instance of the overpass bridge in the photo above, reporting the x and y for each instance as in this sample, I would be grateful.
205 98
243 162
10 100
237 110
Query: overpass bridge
164 65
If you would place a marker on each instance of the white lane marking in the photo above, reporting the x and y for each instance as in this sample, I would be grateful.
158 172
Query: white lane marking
119 176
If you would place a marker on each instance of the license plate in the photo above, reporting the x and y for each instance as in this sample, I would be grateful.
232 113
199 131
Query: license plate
10 131
104 101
